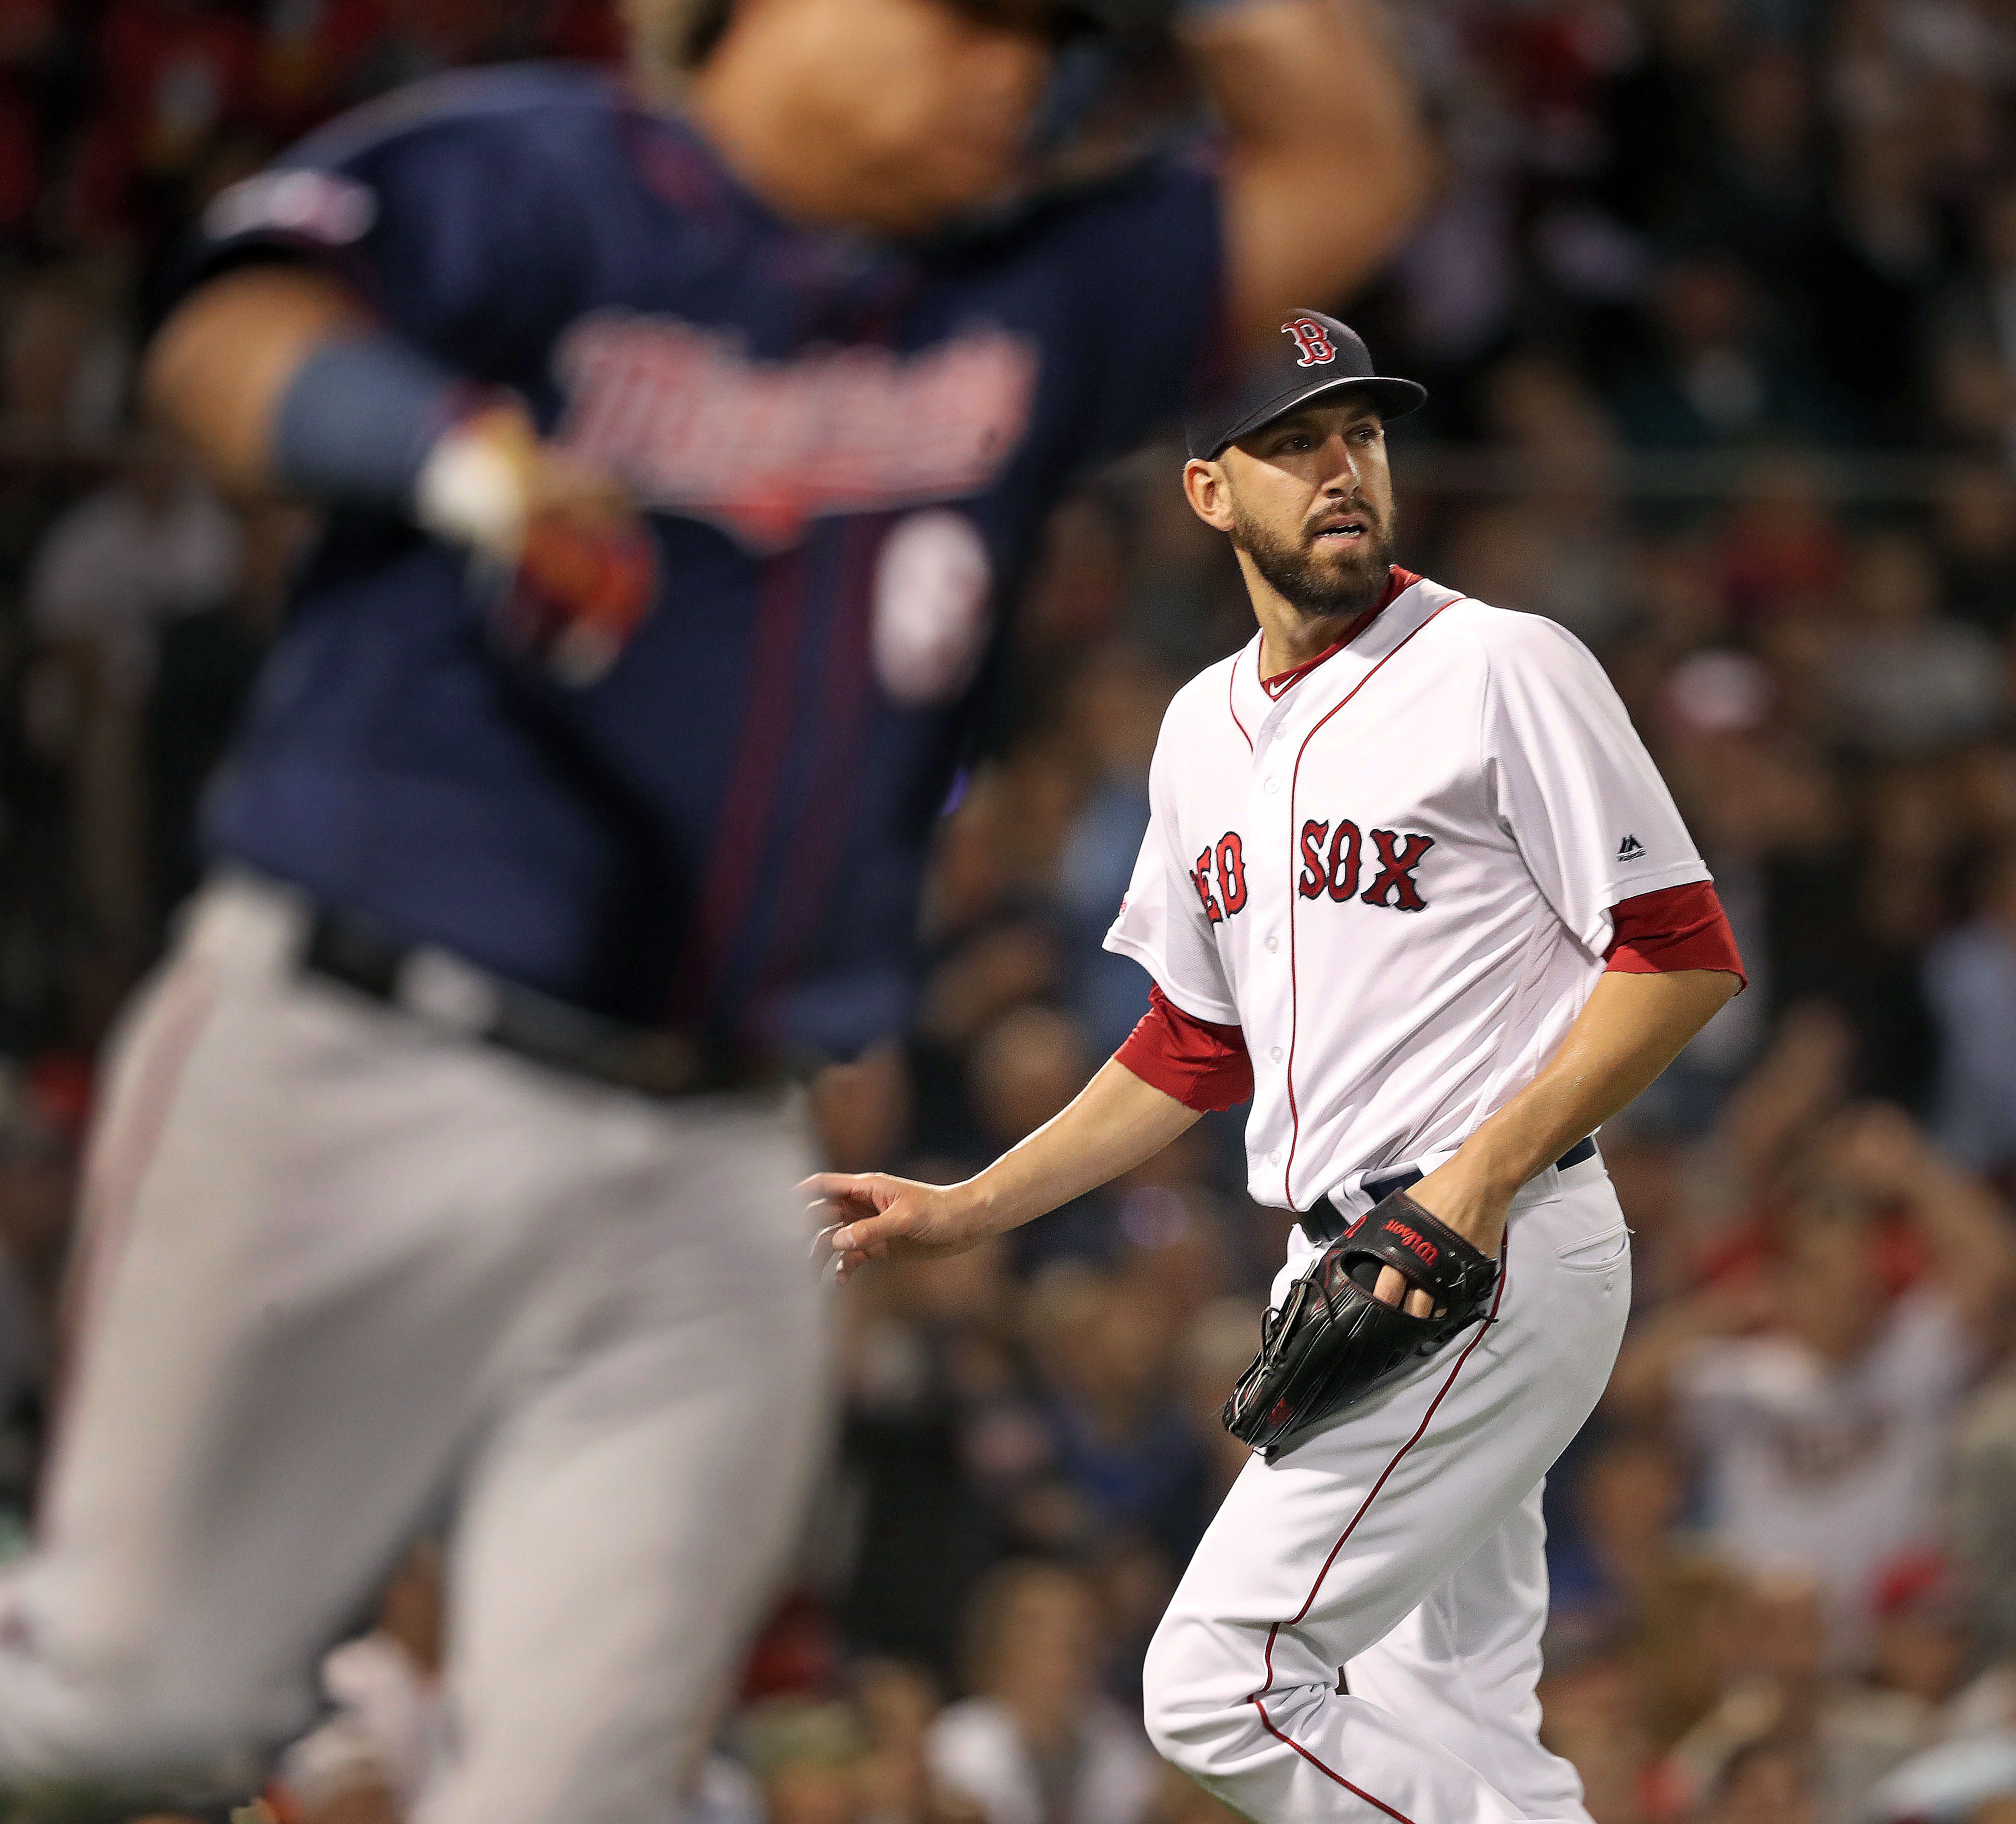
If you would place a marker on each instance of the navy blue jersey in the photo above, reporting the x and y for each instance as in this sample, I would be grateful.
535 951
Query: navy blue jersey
845 451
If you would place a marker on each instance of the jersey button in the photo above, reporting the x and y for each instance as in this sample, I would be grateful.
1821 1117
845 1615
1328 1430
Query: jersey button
1273 943
1273 785
1276 1054
1274 1158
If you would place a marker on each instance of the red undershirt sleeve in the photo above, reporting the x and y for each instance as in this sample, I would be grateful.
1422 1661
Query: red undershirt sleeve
1204 1067
1676 928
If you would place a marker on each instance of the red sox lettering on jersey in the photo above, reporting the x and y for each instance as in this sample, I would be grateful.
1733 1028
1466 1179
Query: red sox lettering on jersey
1397 855
1395 877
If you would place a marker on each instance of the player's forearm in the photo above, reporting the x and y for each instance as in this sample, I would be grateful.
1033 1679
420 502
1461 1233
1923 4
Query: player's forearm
1632 1027
1327 162
220 366
282 380
1114 1123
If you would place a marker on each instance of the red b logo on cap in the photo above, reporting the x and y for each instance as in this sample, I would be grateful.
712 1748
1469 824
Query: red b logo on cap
1310 338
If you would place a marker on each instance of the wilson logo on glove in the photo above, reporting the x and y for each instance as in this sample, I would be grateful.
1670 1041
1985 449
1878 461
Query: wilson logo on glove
1332 1343
1420 1243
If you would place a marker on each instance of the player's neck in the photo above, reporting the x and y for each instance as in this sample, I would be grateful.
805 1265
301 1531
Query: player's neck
1290 638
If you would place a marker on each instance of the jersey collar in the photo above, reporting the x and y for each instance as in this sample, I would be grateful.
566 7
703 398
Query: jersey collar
1282 683
1260 715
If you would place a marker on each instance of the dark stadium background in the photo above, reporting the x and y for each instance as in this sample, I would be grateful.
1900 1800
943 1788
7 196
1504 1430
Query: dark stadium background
1718 304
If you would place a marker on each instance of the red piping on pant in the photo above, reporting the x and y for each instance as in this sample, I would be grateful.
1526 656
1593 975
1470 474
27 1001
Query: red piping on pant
1309 1601
1379 1804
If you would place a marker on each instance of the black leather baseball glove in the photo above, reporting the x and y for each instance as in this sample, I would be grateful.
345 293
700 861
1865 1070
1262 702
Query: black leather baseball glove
1332 1342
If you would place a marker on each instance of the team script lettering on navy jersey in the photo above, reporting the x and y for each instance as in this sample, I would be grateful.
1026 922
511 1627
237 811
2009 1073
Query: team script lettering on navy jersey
845 452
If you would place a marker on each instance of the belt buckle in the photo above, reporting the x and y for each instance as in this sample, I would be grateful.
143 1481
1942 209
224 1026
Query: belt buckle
442 989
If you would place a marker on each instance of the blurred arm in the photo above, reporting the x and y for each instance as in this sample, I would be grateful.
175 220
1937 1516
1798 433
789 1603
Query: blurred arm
280 378
1967 1230
1114 1123
1328 163
1643 1382
222 363
1964 1224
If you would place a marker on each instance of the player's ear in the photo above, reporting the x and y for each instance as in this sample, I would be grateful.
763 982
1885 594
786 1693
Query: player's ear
1205 488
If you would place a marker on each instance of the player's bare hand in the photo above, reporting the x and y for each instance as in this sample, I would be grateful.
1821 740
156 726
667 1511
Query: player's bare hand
1474 1209
1392 1283
870 1216
580 563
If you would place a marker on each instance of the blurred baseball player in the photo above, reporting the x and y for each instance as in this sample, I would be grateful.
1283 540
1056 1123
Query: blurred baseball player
680 465
1411 883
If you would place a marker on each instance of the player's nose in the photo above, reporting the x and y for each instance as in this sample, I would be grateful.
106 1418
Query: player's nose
1340 467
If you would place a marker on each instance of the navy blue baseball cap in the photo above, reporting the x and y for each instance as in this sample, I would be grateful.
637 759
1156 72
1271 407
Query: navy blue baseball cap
1318 358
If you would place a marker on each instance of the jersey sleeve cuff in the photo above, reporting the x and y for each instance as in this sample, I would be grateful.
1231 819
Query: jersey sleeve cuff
1672 929
1202 1064
1617 892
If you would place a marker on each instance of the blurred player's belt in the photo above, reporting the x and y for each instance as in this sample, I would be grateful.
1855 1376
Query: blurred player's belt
240 911
1326 1223
443 990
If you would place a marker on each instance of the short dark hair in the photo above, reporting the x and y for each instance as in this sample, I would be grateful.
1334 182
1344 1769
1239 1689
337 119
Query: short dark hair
703 31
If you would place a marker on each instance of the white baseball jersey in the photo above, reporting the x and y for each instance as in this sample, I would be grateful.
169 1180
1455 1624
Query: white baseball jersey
1396 875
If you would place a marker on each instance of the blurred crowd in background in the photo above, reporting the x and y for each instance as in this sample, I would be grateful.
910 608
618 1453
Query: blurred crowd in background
1718 304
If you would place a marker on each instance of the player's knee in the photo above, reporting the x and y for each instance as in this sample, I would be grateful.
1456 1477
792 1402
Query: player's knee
1190 1711
154 1717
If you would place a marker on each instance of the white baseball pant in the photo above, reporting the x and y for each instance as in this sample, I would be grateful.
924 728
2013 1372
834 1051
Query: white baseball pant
343 1271
1358 1637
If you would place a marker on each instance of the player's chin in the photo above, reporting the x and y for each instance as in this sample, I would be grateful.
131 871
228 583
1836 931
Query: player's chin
1346 563
962 181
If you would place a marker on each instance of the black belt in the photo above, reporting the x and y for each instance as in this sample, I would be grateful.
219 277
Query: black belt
1326 1223
440 988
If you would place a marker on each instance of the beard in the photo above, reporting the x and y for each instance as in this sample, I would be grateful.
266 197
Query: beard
1316 579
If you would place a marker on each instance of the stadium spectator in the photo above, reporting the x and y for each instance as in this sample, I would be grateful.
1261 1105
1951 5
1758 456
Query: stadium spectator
1970 984
1038 1744
1819 1401
1904 680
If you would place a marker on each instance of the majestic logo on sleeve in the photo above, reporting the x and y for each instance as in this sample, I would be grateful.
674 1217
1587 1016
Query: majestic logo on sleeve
762 448
1334 861
1312 341
1631 849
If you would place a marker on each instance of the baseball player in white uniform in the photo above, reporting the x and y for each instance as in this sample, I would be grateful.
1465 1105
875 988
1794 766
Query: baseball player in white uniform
1412 882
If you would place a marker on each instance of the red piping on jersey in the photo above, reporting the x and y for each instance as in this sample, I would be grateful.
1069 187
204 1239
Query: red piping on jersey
823 824
1231 682
746 808
1295 861
1398 581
